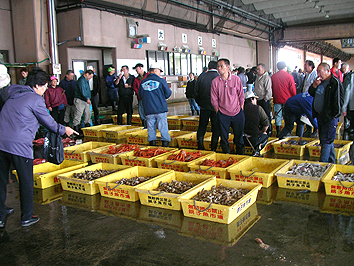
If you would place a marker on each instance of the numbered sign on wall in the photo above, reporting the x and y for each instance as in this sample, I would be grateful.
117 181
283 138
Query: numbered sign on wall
200 40
160 35
184 38
213 43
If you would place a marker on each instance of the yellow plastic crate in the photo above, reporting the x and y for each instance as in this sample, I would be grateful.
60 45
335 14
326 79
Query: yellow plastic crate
268 147
151 197
216 212
108 187
315 151
80 152
115 119
219 172
293 150
339 188
118 132
164 163
82 201
98 157
190 121
47 195
174 134
207 143
164 217
121 208
257 170
339 127
136 119
227 235
175 120
267 195
189 141
290 195
338 205
45 174
140 137
95 131
70 183
299 182
128 158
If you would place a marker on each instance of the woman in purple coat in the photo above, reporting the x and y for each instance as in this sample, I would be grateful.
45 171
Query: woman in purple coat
20 117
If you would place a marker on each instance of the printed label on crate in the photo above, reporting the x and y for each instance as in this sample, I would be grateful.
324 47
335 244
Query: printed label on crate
122 207
297 183
56 180
136 120
342 204
315 152
189 143
116 192
211 213
135 162
191 123
340 190
172 122
110 135
176 167
102 159
209 172
90 133
159 201
74 156
75 186
252 179
244 205
288 150
135 140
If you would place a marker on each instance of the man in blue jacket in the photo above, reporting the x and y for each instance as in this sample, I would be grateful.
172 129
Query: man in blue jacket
82 100
153 92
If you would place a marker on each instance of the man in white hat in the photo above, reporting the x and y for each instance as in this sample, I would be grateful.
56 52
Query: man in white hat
4 83
153 92
256 123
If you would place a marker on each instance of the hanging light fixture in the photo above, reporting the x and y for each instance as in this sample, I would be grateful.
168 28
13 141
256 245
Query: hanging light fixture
316 5
326 16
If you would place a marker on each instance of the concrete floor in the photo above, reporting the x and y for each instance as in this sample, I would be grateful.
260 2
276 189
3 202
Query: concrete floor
75 229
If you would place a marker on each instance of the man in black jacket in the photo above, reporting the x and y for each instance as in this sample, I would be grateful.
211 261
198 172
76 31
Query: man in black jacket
125 93
203 98
95 89
328 95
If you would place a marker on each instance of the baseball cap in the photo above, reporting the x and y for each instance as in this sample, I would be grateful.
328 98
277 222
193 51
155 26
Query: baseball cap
89 68
53 77
110 69
138 65
250 94
156 66
4 76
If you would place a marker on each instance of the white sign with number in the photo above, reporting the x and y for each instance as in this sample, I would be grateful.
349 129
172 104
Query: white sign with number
213 43
200 40
184 38
160 35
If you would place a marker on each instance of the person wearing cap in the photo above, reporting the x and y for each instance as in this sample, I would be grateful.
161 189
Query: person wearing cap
69 86
125 94
139 68
153 92
95 89
256 123
228 98
4 84
111 81
55 100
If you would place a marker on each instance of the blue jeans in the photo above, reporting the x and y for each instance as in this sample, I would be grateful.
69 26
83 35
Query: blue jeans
327 134
141 111
278 113
193 104
159 120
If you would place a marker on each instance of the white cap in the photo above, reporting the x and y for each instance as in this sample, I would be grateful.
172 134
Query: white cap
250 94
156 65
89 68
4 76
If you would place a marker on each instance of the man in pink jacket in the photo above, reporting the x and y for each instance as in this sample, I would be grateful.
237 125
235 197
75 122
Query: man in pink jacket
227 98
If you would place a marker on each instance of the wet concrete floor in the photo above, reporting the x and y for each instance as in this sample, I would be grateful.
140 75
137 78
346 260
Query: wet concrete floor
77 229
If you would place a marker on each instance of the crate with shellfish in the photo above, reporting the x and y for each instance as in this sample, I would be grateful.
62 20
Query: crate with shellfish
302 197
80 152
95 131
82 180
47 195
118 132
189 141
145 156
338 205
293 146
110 154
45 174
341 147
121 208
268 147
219 200
339 181
302 175
267 195
257 170
115 119
179 159
207 143
81 201
216 164
224 234
164 191
123 185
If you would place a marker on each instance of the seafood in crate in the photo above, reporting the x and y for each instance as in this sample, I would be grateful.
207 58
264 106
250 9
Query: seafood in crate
177 187
308 169
92 175
347 177
185 156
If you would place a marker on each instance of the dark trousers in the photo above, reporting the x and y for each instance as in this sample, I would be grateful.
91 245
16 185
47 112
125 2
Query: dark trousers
237 123
24 168
204 116
125 105
94 102
266 105
289 120
58 115
113 97
327 134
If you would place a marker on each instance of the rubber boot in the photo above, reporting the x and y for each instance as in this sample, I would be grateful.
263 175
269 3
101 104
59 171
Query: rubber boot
152 142
200 144
143 122
193 112
278 130
165 143
129 119
198 112
87 125
78 130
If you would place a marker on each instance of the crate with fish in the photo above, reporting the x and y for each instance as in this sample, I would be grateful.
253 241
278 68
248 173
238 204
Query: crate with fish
301 197
302 175
339 181
257 170
95 131
115 119
219 200
47 195
268 147
121 208
82 180
207 143
267 195
216 164
45 174
341 147
179 159
122 185
189 141
80 152
294 146
144 156
338 205
164 191
221 234
118 132
110 154
81 201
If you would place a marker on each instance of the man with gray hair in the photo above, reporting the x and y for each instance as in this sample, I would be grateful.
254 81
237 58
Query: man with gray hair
348 106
